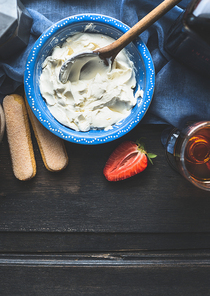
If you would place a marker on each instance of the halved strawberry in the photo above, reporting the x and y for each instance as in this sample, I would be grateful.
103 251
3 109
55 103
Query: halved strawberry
127 160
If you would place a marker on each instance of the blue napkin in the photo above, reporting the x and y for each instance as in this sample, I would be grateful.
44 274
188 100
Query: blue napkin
180 93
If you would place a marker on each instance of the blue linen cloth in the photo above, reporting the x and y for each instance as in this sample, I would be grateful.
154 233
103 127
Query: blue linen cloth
180 93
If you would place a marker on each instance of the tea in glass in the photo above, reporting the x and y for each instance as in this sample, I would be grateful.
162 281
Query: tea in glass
197 155
191 153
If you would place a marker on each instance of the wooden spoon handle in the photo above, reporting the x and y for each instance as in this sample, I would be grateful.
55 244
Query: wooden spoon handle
110 51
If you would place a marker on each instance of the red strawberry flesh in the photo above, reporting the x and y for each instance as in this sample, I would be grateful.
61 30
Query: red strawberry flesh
127 160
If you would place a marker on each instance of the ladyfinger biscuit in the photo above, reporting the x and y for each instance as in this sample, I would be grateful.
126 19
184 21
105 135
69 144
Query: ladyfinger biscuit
2 123
51 147
19 137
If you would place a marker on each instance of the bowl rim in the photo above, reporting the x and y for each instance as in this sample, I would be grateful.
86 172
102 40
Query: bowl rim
92 137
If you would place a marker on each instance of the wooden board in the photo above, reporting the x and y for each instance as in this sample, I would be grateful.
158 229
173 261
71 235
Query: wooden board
75 233
80 199
107 274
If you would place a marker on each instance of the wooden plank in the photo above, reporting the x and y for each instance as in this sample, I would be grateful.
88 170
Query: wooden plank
36 242
80 199
106 274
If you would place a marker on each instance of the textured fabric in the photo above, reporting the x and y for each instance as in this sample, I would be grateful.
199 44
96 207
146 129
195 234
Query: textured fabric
180 93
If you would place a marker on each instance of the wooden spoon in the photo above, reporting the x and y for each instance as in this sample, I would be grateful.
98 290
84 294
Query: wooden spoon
110 51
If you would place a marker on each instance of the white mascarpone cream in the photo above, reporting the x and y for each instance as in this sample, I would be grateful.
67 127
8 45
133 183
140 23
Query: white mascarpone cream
98 96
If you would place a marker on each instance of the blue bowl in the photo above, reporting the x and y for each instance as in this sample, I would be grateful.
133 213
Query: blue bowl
57 34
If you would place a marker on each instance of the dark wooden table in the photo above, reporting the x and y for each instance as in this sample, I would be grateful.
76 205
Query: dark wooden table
75 233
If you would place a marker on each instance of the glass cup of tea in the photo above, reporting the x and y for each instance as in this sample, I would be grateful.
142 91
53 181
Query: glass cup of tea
188 152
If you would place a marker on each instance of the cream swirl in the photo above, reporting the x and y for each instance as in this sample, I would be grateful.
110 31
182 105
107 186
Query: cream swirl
97 96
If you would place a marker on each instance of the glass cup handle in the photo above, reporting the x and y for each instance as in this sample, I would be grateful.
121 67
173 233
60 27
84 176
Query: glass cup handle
168 138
